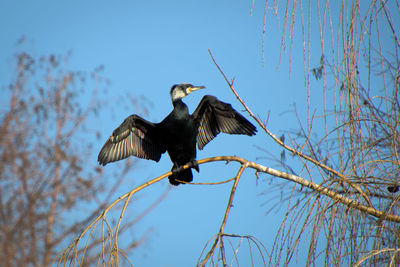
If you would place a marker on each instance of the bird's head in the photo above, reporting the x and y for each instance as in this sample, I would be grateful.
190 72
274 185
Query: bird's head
179 91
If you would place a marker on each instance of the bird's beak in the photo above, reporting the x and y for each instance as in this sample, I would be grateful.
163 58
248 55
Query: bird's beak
194 88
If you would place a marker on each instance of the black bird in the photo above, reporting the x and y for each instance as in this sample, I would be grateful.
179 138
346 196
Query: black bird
178 133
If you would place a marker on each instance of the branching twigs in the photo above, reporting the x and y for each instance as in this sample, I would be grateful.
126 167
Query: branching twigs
218 238
71 253
251 241
392 251
292 150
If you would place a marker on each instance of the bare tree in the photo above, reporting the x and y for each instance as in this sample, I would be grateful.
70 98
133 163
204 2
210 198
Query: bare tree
351 145
46 181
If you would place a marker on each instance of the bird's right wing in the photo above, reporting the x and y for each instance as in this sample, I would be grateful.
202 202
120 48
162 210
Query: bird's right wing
213 116
136 137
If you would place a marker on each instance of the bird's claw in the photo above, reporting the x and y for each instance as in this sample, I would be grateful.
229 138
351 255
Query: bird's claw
193 164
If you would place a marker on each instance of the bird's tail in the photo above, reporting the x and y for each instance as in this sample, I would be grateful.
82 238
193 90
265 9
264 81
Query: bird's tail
184 175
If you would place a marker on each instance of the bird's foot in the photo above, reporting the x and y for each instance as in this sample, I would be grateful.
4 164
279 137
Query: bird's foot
193 164
176 169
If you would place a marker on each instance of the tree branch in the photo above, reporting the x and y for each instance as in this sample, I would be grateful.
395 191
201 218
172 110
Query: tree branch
71 251
292 150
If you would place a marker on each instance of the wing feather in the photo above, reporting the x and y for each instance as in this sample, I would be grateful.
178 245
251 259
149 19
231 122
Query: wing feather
134 137
214 116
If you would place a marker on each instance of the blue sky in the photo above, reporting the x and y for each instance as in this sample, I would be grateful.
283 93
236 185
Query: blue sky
146 47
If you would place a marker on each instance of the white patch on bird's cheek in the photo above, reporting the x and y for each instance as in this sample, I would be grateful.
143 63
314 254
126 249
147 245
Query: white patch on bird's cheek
177 95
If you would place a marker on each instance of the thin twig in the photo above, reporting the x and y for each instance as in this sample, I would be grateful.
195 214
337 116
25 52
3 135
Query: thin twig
218 238
292 150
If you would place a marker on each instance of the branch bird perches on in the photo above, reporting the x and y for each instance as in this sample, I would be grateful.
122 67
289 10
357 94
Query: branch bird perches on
72 251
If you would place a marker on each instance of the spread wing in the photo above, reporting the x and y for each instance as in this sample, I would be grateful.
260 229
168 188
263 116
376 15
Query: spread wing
136 137
213 116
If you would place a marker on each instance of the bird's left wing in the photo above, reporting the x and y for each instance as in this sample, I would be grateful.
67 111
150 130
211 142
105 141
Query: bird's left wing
213 116
136 137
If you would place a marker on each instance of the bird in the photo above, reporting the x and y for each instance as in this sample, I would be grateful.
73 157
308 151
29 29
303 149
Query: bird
178 134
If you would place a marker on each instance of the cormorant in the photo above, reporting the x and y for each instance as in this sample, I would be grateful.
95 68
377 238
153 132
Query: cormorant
178 133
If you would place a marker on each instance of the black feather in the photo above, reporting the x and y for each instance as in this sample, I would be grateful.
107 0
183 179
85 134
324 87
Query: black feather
134 137
213 116
178 133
